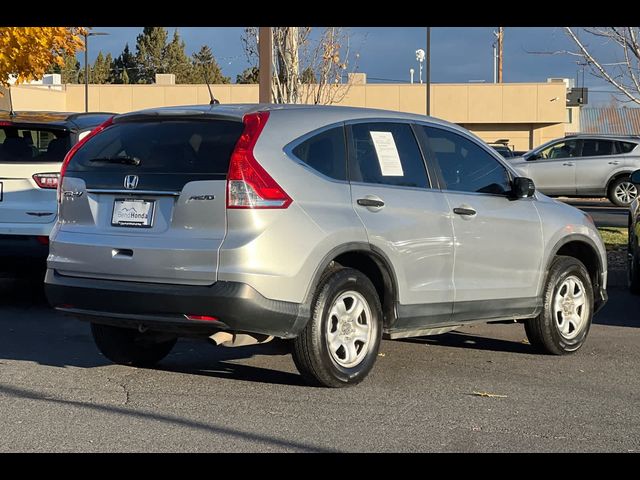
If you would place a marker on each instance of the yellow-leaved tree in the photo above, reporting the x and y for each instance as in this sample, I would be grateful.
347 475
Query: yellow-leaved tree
27 52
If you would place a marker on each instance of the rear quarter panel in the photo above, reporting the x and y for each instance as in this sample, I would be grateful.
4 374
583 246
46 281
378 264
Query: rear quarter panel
278 251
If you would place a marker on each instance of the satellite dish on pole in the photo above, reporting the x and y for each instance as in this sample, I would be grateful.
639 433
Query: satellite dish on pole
420 56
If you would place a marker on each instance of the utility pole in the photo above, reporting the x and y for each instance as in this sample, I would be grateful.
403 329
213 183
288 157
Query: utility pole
428 70
265 53
500 52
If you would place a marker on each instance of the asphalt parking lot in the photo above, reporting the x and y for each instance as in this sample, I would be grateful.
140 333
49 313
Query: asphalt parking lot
57 393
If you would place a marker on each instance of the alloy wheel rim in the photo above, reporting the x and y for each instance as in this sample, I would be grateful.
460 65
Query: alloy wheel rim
349 329
570 308
626 192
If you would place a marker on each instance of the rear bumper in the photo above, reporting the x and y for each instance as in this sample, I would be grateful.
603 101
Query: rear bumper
237 306
22 246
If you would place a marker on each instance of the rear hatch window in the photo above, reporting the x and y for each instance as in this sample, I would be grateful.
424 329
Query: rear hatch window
183 147
27 145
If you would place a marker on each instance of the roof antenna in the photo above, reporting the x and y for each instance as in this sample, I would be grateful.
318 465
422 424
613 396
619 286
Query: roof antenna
213 101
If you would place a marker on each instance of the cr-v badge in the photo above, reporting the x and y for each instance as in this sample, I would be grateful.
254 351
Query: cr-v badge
130 182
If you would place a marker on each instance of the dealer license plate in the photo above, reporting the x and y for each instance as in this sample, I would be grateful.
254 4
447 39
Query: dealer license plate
132 213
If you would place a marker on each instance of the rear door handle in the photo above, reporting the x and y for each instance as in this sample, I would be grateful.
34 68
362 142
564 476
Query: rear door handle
464 211
615 162
370 202
568 164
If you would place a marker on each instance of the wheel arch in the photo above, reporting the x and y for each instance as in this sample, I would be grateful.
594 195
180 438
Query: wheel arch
366 258
585 250
616 176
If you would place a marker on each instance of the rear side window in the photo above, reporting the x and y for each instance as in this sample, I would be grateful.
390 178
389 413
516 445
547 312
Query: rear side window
386 153
596 148
326 153
625 147
33 145
180 146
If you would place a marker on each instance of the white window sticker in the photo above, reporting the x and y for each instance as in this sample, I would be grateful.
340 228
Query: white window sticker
387 153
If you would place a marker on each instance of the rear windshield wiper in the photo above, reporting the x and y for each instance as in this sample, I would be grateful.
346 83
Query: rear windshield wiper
124 160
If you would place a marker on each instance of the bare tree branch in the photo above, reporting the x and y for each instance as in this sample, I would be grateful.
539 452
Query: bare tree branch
296 55
618 81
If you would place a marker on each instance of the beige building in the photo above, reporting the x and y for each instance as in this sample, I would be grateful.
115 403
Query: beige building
527 114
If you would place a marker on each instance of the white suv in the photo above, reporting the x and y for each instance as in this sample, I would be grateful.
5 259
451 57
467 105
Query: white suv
32 148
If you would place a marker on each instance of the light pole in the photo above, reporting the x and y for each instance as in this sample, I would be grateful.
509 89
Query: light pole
88 34
428 70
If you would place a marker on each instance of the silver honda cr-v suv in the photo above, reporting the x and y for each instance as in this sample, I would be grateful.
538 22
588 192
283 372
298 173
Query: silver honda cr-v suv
330 226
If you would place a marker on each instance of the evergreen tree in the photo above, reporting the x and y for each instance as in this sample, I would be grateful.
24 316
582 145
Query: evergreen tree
125 68
206 69
176 60
69 71
101 70
249 75
150 53
110 68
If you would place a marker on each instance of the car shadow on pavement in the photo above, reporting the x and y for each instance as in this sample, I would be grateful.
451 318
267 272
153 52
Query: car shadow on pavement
199 358
621 310
31 331
464 340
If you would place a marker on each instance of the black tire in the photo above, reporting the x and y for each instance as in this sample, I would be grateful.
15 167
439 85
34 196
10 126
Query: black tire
612 188
127 346
543 331
311 352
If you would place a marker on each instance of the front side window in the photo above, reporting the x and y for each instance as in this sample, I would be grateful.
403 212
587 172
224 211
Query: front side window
325 152
464 165
564 149
387 154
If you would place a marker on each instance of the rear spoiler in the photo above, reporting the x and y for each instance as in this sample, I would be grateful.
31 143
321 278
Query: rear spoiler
160 116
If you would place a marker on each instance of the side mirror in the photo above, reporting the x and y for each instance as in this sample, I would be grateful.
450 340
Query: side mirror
523 187
532 157
635 177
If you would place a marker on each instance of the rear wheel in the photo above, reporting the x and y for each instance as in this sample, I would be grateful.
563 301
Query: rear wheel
340 342
127 346
564 322
622 192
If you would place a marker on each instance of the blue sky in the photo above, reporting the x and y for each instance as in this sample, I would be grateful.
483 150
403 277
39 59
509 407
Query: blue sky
459 54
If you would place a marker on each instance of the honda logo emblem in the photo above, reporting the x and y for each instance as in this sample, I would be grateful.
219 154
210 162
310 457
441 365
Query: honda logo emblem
130 182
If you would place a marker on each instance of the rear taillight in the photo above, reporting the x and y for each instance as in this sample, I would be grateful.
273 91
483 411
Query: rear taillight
42 240
248 184
202 318
76 147
46 180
